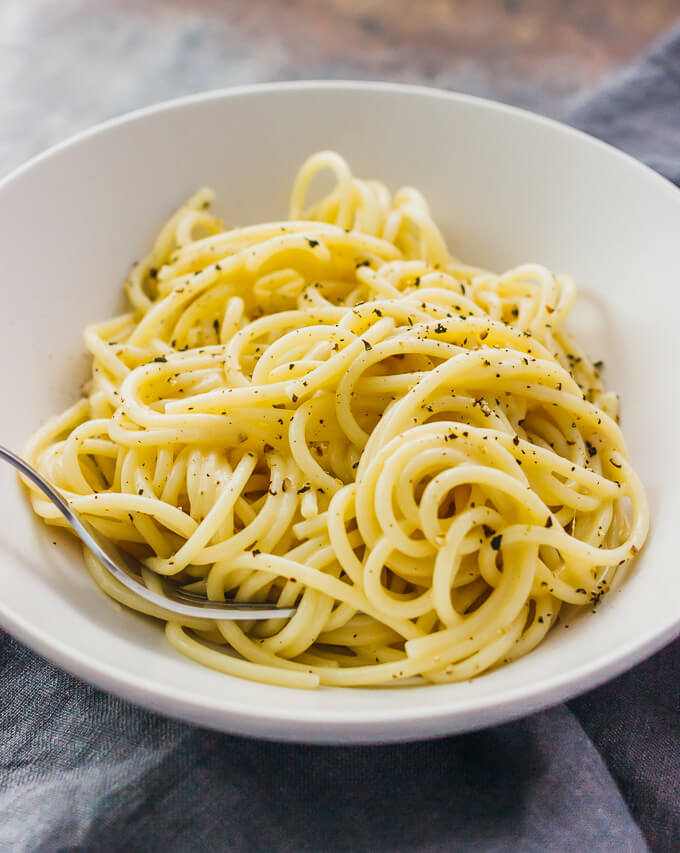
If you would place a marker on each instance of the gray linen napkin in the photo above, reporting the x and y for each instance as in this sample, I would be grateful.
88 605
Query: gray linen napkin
80 770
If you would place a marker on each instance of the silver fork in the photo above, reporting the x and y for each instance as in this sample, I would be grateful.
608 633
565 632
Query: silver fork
125 568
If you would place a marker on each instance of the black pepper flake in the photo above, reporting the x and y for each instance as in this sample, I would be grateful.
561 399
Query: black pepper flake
549 522
131 517
496 542
139 491
362 264
255 552
304 489
515 440
312 243
598 365
366 344
615 464
592 450
160 358
216 326
153 272
439 329
294 398
488 531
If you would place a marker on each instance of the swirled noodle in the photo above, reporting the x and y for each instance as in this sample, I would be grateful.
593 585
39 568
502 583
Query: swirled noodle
331 411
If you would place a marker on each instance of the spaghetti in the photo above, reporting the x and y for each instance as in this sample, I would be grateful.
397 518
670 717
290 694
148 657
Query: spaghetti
331 411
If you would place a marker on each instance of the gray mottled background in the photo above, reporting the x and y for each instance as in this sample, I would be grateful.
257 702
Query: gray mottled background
67 64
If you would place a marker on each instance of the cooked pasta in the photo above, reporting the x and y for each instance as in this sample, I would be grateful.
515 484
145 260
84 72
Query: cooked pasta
334 413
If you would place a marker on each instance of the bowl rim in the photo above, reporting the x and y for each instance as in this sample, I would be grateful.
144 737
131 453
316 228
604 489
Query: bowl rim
240 715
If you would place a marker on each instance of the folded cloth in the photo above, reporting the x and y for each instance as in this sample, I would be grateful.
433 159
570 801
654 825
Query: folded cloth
80 770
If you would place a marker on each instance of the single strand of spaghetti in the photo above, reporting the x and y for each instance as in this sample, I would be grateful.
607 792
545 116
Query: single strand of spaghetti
501 607
319 247
220 246
205 306
321 557
118 506
550 581
586 553
341 507
335 366
537 629
206 656
447 562
105 354
163 468
162 312
385 603
255 652
358 631
300 449
50 431
279 352
161 247
419 466
481 331
485 657
344 186
379 352
383 505
200 429
207 528
341 615
294 639
274 506
280 247
74 481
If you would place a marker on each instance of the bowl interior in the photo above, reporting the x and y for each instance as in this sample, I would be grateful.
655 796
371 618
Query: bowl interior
506 187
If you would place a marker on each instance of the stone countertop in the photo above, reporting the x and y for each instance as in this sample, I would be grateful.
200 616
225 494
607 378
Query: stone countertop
67 65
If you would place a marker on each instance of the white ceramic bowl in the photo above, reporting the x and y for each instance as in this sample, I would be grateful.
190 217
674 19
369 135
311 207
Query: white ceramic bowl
507 187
